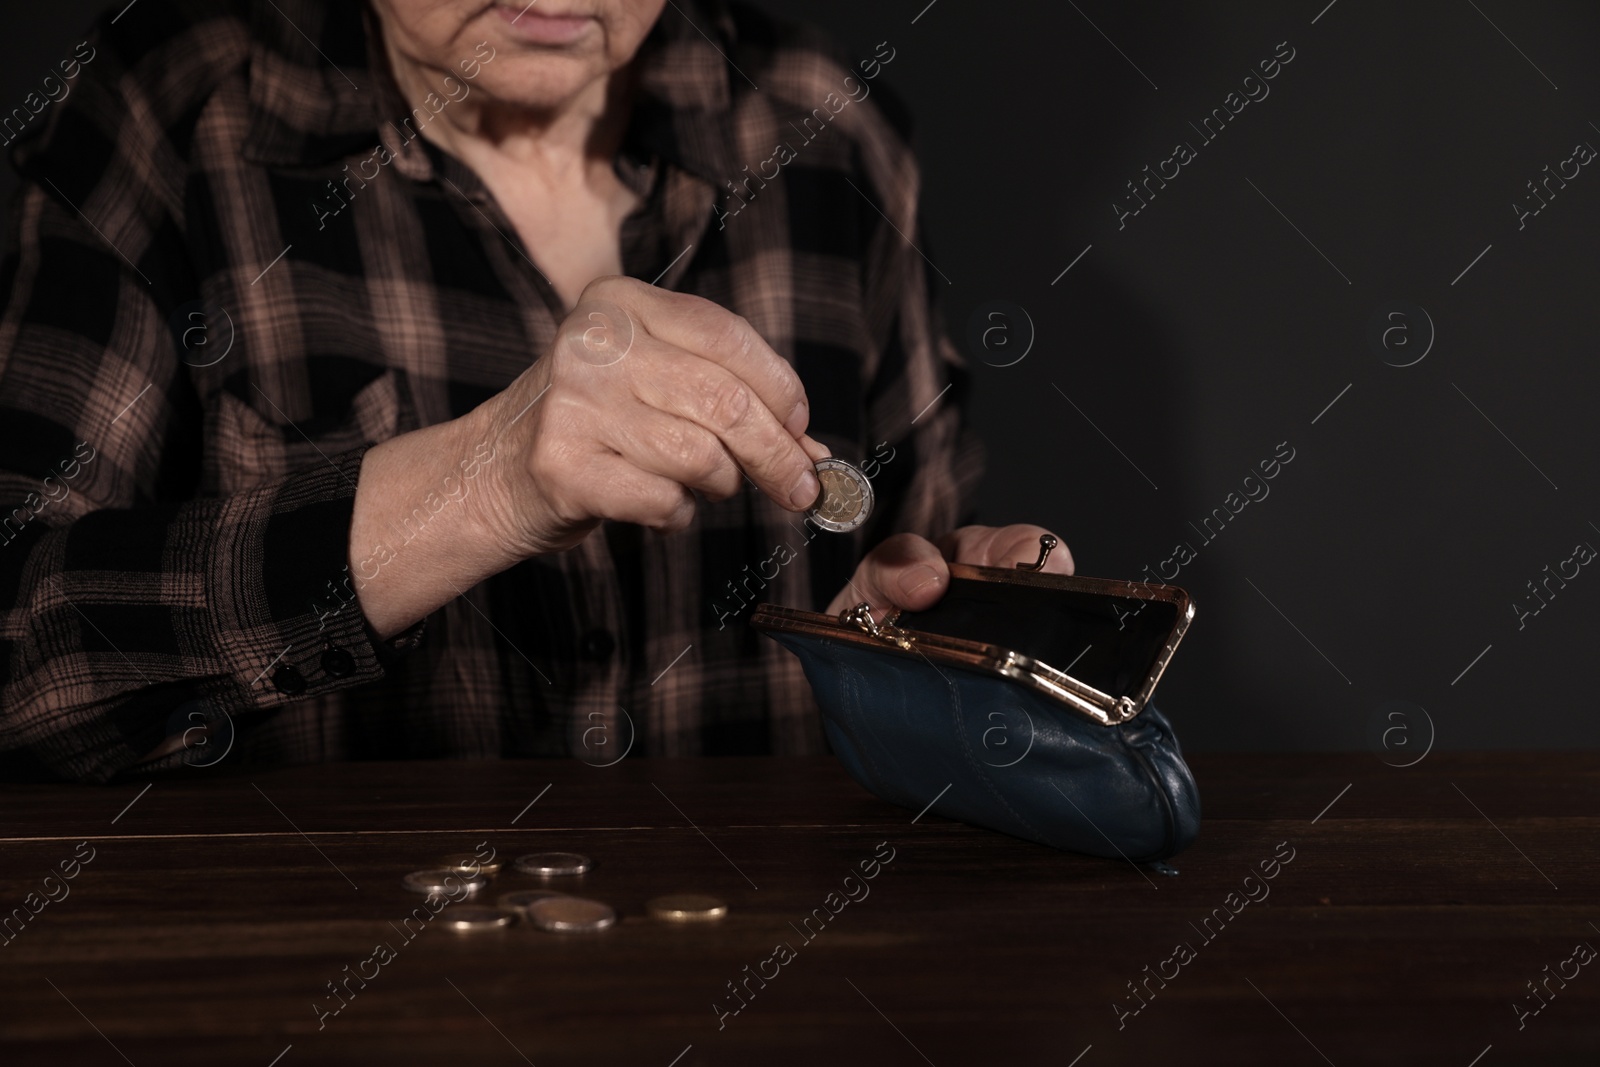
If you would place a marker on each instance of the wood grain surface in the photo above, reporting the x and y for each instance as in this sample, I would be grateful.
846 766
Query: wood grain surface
218 907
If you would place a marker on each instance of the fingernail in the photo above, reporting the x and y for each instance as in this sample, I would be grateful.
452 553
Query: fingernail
796 422
917 578
805 491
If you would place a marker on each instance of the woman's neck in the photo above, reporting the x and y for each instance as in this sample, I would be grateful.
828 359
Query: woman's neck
562 143
550 169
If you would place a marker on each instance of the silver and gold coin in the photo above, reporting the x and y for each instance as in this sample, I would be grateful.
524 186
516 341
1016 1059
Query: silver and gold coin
569 915
469 863
520 901
553 864
443 881
686 908
846 499
469 918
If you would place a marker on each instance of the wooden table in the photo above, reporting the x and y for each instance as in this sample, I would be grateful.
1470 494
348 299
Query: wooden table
217 909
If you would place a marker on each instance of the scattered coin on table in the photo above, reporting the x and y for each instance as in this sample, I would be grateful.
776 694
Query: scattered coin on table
553 864
468 918
519 901
687 908
564 915
444 881
469 863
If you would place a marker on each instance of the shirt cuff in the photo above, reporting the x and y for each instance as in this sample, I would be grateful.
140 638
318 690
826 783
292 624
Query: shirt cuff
285 620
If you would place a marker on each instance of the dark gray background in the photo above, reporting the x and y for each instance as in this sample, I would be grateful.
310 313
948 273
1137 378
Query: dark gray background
1391 549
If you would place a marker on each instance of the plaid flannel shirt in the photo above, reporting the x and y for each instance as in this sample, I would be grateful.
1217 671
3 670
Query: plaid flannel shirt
234 265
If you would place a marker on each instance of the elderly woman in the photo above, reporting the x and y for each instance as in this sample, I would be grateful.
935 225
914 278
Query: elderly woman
446 378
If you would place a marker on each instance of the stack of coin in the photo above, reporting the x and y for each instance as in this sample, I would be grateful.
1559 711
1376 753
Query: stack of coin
443 881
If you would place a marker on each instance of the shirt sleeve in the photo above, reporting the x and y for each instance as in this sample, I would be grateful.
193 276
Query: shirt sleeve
124 594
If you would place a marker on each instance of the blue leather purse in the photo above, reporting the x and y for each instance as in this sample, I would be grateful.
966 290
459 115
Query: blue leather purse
962 710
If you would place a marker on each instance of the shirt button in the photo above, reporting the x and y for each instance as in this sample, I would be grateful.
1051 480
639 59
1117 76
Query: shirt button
288 680
337 663
597 645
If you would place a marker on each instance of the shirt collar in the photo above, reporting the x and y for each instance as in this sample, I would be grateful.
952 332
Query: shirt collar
319 87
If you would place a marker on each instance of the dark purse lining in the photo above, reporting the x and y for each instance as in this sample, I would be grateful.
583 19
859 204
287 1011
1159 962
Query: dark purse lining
1111 642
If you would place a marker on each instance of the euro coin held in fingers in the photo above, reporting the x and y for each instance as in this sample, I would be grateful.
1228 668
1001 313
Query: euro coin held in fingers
846 499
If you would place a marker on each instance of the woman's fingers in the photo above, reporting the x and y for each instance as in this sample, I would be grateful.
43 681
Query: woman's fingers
718 335
905 572
1004 546
622 492
665 392
727 406
660 443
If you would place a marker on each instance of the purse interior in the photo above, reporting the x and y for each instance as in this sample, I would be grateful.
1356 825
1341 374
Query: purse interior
1110 642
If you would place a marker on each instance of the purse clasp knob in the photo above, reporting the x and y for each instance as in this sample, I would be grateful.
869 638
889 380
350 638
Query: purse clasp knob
1046 543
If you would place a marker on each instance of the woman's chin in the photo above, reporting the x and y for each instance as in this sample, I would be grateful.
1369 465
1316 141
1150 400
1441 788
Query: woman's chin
540 83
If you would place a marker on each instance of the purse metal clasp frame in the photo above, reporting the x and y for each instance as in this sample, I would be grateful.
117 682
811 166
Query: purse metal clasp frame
856 625
860 617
